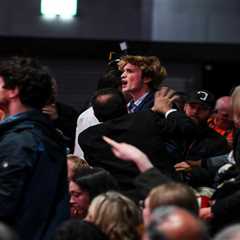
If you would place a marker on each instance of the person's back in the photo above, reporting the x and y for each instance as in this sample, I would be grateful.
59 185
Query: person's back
33 174
146 130
142 135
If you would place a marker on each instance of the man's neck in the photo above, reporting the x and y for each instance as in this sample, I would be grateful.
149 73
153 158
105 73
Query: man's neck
15 108
139 94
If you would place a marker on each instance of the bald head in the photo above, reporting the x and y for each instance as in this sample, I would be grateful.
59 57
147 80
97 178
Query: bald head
224 102
176 223
223 116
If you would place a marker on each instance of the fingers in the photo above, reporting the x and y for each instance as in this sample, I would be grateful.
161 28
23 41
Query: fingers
174 97
110 141
162 91
166 92
182 166
120 150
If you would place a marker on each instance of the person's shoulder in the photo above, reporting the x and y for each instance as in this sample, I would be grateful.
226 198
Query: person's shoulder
17 140
86 114
92 130
87 118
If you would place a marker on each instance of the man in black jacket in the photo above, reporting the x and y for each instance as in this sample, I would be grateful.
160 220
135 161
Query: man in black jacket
206 143
147 130
33 176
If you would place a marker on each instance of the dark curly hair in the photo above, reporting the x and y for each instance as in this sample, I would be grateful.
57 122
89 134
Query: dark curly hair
31 78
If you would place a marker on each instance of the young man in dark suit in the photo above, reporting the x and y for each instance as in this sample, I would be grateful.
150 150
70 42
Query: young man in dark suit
141 77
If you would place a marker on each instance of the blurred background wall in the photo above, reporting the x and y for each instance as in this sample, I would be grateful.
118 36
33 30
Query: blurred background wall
197 40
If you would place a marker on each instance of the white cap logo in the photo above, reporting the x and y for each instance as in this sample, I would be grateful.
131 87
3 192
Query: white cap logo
204 95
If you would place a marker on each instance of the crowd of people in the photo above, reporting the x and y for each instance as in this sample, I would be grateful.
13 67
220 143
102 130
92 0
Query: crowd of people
141 162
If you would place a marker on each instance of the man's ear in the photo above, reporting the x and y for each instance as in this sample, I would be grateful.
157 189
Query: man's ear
12 93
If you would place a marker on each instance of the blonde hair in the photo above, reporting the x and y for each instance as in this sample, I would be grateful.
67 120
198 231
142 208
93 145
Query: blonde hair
77 162
150 66
116 215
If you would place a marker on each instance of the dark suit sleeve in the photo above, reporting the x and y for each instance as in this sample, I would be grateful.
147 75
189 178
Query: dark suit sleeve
178 132
145 181
178 123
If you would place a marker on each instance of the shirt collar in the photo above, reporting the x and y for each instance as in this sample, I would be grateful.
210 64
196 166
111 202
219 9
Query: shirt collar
139 100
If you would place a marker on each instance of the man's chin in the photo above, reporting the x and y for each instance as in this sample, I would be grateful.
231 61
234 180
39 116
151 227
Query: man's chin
124 89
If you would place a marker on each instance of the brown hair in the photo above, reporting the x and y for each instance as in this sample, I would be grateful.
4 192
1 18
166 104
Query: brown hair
173 193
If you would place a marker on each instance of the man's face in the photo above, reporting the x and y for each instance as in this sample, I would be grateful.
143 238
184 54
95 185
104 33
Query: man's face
132 81
223 118
79 200
198 112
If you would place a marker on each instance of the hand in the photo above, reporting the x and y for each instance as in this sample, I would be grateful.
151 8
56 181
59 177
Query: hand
206 213
128 152
194 163
183 166
51 111
163 100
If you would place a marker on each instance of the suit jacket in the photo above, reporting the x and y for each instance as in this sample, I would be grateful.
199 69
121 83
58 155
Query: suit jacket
146 130
146 103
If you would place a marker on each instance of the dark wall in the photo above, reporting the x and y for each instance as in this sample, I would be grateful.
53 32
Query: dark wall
214 21
96 19
186 35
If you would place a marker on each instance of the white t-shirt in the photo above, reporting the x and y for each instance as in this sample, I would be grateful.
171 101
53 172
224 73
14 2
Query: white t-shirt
85 120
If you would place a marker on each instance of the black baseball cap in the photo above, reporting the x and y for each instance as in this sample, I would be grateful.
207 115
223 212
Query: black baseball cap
203 97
